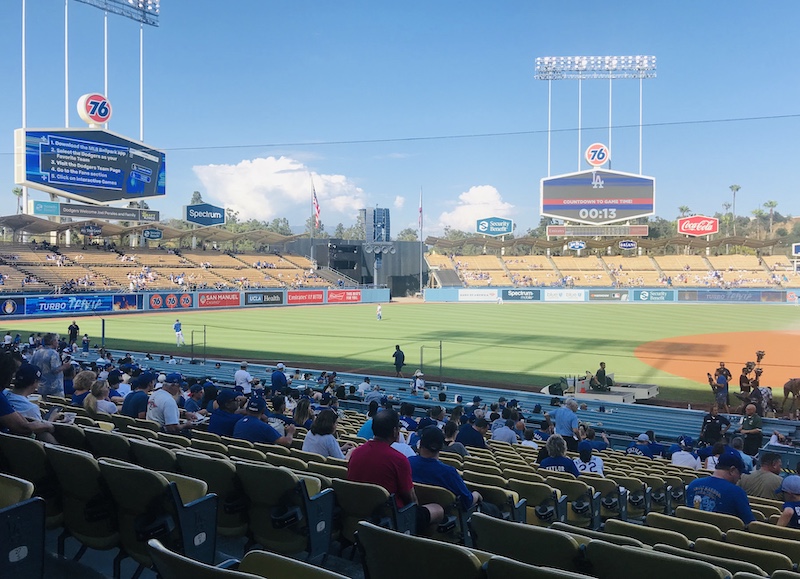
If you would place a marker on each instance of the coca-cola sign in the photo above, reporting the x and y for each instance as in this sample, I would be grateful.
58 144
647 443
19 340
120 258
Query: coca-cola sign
698 225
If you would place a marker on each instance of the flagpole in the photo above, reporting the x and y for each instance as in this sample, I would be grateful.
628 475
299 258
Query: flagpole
421 243
312 214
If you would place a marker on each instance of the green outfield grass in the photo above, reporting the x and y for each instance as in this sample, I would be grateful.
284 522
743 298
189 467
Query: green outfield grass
513 345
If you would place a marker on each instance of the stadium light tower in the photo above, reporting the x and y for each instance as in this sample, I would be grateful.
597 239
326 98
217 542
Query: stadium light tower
582 68
141 11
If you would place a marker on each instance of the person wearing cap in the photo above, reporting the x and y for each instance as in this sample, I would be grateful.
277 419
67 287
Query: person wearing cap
251 425
640 447
737 444
376 462
714 426
49 362
765 481
162 407
117 389
135 404
228 412
685 457
243 378
426 468
178 329
790 515
506 432
718 493
192 404
278 379
418 382
586 461
472 433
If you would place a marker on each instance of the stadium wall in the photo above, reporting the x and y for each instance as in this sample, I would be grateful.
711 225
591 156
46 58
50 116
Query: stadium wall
547 294
49 305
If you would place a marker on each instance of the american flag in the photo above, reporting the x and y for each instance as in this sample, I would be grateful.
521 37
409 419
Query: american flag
420 209
316 206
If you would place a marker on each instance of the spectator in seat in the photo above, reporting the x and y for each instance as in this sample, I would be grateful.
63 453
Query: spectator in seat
790 516
252 427
766 481
473 433
557 457
719 493
224 418
135 404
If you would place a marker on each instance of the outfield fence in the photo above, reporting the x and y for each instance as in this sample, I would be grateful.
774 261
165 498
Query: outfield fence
50 305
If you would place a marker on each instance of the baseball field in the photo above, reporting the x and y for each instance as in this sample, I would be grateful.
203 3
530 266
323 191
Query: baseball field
509 345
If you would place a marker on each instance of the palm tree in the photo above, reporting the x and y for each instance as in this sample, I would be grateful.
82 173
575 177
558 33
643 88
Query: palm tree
684 209
734 189
759 215
726 217
17 191
771 205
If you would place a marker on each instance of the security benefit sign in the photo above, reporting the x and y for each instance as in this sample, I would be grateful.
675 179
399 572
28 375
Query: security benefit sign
598 196
204 214
494 226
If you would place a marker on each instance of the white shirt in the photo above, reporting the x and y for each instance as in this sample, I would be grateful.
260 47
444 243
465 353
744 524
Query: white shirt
687 459
8 339
595 465
162 408
244 379
364 387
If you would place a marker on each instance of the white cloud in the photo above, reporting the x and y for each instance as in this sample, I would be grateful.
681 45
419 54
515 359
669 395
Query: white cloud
399 201
479 202
265 188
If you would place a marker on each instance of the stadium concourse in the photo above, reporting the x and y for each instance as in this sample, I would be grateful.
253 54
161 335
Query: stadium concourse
636 504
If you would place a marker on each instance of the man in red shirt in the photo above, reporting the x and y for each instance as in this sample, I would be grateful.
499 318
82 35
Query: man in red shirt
376 462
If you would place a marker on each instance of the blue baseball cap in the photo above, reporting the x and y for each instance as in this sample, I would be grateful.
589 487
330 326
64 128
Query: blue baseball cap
225 396
729 459
174 378
791 484
256 404
26 375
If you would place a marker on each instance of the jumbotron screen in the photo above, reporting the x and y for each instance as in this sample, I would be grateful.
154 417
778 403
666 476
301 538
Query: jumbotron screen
89 165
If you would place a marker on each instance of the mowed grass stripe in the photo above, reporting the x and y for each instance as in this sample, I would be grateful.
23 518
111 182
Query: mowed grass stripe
514 345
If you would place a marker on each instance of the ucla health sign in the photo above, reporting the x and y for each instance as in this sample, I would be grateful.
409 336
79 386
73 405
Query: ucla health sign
204 214
494 226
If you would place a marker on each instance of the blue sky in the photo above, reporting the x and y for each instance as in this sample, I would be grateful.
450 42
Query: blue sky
249 98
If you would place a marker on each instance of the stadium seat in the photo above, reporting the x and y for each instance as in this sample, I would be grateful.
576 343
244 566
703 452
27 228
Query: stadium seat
583 502
70 435
767 560
455 529
730 565
164 506
26 459
89 511
648 535
287 514
544 504
246 453
692 529
104 444
256 564
439 559
724 522
152 456
639 495
584 535
22 522
770 530
174 439
613 498
221 478
214 446
287 461
553 548
788 547
306 456
503 568
327 469
373 503
511 507
615 562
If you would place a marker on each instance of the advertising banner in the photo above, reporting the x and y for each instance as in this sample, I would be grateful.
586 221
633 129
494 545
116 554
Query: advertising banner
608 296
653 295
344 296
263 299
477 295
698 225
564 295
12 307
204 214
218 299
170 301
525 295
719 296
69 304
494 226
297 298
127 302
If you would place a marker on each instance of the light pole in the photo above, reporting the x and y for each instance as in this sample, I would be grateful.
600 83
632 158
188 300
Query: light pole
582 68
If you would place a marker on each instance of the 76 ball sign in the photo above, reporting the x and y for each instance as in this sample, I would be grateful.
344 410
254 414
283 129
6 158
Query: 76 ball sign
597 155
94 108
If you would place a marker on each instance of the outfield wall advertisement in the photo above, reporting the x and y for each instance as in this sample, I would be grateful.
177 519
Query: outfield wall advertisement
219 299
263 298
